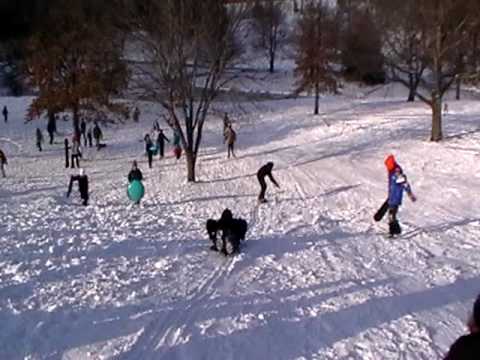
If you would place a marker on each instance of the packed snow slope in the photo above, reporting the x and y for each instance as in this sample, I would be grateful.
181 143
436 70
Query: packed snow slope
316 279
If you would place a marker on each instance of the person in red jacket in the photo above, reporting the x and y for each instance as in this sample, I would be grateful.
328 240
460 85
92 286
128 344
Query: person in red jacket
467 347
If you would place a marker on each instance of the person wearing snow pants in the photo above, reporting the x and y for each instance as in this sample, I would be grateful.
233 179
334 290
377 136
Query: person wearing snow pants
161 142
75 151
398 184
264 171
148 149
67 161
82 186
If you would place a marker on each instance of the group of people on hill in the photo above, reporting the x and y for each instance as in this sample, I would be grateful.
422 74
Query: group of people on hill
155 143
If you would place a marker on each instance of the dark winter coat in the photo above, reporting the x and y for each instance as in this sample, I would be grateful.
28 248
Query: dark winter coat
39 136
161 139
398 184
266 170
3 158
148 143
83 127
97 133
5 111
51 126
465 348
82 185
135 174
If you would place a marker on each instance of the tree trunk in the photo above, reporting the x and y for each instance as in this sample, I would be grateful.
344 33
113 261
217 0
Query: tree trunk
317 98
76 121
459 85
411 88
191 161
436 119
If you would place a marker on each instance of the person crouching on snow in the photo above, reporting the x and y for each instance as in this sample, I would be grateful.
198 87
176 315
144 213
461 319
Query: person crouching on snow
397 185
82 179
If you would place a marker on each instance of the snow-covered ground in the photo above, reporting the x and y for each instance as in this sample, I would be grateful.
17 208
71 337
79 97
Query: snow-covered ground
316 279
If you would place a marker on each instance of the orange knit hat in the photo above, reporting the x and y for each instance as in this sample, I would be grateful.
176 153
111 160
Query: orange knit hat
390 163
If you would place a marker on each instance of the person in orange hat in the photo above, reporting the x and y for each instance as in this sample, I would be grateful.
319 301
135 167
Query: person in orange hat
391 165
397 184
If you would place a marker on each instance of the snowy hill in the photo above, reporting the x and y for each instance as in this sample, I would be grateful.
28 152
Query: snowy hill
316 279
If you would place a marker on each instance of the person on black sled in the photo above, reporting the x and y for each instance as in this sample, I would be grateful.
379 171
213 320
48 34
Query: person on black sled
398 184
264 171
233 231
467 347
82 179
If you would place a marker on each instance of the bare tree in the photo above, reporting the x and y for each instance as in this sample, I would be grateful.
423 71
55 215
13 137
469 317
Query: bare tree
269 24
189 48
74 61
402 41
317 48
447 25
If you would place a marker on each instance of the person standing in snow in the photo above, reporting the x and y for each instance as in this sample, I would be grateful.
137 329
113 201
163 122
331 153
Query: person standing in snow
83 131
230 138
161 142
97 135
5 113
3 162
264 171
90 136
467 347
397 184
391 165
226 122
136 114
39 139
76 154
148 149
51 128
67 147
82 179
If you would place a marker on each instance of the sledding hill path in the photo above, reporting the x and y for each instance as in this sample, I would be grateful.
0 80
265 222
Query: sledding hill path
317 278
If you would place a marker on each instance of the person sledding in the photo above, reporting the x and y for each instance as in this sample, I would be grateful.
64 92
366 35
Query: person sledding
263 172
233 230
135 175
397 183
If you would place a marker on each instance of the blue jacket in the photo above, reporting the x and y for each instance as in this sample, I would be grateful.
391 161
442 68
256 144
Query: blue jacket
397 184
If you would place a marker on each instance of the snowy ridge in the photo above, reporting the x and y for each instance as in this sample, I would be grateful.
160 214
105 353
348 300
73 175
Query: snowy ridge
317 278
